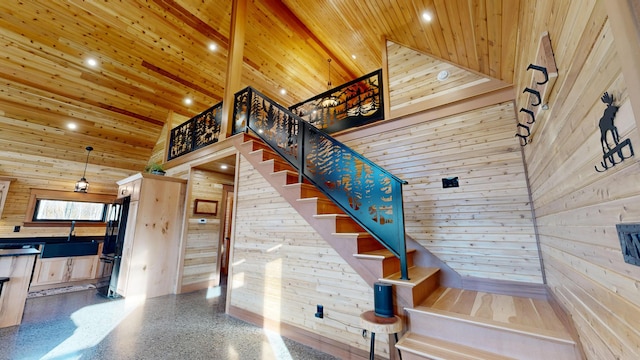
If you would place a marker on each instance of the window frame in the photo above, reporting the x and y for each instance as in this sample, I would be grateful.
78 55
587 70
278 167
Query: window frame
43 194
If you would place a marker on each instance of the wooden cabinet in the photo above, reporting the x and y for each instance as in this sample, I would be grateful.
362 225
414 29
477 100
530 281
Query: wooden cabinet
151 248
130 188
104 269
61 270
16 264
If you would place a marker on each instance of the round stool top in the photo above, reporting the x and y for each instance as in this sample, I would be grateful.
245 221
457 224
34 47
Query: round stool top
378 324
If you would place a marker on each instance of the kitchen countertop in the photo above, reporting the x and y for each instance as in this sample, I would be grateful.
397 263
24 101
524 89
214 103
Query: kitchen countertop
19 252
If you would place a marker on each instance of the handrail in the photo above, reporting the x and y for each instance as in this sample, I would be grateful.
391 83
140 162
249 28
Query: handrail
371 195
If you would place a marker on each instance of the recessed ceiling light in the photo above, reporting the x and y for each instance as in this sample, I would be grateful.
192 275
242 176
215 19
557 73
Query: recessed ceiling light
283 92
426 16
188 101
443 75
72 126
353 56
224 167
213 47
92 62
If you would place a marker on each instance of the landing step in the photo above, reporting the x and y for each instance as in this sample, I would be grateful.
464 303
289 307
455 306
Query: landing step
546 334
415 346
417 275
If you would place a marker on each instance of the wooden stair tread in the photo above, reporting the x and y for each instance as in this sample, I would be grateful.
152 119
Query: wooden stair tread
379 254
331 216
352 234
557 336
417 274
437 349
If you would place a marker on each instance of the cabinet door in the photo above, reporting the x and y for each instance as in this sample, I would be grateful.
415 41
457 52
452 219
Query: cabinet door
130 189
83 268
104 269
127 249
50 271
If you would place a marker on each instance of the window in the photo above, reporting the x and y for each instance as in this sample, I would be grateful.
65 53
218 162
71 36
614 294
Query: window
64 210
60 208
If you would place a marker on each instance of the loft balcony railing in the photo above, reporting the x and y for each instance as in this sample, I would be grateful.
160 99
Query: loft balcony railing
195 133
368 193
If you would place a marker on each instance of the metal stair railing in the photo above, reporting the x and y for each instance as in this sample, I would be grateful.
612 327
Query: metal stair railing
365 191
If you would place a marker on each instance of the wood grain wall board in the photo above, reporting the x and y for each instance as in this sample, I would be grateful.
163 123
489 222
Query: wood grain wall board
413 80
594 318
478 146
577 208
279 263
575 163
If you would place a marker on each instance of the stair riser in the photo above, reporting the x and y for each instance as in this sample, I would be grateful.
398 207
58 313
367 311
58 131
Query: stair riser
412 297
347 225
285 177
500 341
327 207
310 191
385 267
410 356
368 243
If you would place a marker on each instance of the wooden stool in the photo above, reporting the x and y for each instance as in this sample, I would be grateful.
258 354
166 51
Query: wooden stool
377 324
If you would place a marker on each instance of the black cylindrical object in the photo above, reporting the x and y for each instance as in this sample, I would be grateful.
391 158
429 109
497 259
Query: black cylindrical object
383 299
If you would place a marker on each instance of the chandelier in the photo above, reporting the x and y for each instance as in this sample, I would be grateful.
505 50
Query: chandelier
329 101
82 185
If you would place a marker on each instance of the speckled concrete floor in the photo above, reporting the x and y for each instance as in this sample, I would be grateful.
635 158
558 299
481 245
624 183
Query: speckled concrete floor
84 325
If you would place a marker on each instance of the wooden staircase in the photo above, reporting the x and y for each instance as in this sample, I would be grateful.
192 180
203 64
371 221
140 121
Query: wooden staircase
433 331
370 259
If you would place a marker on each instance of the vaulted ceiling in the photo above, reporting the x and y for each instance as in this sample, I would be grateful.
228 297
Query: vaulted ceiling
153 54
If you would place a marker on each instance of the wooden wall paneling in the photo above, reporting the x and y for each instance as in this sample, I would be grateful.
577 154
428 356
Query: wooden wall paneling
278 263
484 228
584 103
625 21
413 83
576 207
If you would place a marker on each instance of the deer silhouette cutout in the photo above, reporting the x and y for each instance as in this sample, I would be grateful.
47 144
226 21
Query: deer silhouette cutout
606 124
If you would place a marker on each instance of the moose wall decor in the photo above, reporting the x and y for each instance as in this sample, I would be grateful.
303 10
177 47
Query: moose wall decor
610 138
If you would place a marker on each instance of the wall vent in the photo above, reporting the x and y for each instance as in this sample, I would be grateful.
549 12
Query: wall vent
629 235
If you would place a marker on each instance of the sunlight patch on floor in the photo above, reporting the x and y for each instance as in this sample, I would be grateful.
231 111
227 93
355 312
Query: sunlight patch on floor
93 324
278 346
214 292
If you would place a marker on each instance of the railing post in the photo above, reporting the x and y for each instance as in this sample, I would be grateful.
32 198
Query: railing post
301 138
249 98
404 269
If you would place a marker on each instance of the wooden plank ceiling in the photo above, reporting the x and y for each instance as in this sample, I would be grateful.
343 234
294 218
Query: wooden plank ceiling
153 54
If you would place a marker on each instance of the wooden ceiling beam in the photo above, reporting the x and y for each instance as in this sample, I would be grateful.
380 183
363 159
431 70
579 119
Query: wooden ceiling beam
193 21
234 64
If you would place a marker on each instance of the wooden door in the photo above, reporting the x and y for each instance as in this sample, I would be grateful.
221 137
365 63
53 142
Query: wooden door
226 230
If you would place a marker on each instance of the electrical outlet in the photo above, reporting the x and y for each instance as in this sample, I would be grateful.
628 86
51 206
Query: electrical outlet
320 311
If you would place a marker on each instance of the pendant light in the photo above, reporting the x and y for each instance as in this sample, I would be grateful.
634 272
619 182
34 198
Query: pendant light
329 101
82 185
